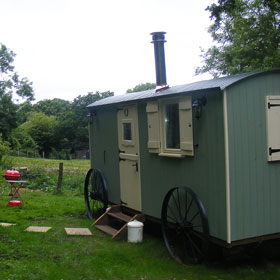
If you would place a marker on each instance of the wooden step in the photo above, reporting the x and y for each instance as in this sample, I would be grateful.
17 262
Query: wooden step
107 229
121 216
116 214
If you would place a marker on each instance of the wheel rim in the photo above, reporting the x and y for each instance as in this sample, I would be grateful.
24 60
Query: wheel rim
184 225
95 193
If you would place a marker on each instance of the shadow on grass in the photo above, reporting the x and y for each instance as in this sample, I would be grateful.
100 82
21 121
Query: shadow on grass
257 256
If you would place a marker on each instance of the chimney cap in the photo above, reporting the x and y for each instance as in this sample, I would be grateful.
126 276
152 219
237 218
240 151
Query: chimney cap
158 36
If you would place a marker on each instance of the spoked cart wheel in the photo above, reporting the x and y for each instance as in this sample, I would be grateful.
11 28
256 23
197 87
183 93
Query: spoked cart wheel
95 193
184 225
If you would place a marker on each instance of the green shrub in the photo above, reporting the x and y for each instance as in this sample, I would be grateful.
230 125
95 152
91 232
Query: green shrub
61 154
39 179
73 182
4 151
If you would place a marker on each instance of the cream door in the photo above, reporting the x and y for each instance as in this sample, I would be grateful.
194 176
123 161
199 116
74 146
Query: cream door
129 157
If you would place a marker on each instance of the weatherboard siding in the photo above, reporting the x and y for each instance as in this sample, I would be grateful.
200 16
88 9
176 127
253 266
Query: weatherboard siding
105 151
254 182
204 172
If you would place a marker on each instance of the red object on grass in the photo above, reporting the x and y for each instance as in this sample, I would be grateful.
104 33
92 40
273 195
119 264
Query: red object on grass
14 203
12 175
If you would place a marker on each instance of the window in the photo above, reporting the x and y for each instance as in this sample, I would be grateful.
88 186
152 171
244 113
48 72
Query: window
127 132
272 127
127 137
170 127
171 122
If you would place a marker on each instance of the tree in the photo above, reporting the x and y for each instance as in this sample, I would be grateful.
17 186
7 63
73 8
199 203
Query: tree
41 129
21 141
55 107
71 129
4 148
247 36
11 87
23 111
142 87
75 126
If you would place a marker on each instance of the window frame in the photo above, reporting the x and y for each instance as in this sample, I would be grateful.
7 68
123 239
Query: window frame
164 149
127 142
157 130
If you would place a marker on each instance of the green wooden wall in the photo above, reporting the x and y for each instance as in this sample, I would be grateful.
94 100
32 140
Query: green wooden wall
254 182
204 173
104 149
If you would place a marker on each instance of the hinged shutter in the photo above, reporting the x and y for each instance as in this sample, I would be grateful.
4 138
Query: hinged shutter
153 127
186 126
273 127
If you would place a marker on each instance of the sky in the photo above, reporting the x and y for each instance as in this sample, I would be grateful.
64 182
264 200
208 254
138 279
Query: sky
68 48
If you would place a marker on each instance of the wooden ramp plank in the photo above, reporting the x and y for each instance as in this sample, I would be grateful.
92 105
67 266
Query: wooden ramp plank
107 229
119 215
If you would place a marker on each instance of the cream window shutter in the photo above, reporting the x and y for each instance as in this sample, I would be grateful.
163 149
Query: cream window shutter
186 126
273 127
152 110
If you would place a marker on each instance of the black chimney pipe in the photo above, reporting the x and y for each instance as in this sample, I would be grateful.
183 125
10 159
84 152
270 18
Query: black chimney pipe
158 41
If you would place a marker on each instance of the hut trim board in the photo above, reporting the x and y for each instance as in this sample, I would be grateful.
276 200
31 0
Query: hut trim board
227 175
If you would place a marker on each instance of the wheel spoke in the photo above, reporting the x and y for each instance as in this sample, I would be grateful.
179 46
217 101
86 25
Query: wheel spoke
173 214
194 246
197 213
176 205
199 235
185 247
188 208
178 198
197 226
192 254
172 219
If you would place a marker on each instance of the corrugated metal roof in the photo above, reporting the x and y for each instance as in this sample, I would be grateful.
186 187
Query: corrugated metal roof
221 83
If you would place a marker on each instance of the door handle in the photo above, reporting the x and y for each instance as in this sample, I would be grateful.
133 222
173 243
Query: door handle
136 165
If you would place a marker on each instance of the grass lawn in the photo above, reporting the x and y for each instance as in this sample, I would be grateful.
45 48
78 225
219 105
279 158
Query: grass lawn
54 255
72 165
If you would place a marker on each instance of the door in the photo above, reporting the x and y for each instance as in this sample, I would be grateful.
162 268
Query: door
129 157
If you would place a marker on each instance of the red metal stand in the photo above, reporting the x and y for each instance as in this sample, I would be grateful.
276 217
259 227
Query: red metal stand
15 190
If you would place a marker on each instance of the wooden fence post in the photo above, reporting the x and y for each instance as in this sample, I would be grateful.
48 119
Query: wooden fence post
60 175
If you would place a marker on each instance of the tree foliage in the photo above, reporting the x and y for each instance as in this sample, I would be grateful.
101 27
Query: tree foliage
54 128
11 87
142 87
55 107
247 37
73 128
4 148
40 128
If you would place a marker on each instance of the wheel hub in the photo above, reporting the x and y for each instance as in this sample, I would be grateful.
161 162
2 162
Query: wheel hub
185 226
94 195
